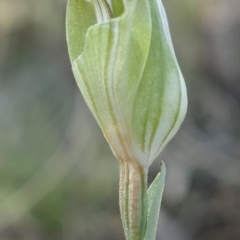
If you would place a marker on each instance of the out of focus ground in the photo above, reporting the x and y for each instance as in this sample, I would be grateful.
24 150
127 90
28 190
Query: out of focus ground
58 178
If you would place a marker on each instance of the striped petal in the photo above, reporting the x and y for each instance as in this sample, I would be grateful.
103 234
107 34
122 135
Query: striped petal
109 71
161 102
127 71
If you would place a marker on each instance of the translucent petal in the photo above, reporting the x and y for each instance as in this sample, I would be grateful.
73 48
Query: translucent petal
161 101
109 70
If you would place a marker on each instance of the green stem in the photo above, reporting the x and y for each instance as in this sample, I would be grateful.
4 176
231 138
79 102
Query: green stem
133 199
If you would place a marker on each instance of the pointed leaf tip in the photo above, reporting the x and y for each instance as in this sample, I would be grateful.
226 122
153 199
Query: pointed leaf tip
154 195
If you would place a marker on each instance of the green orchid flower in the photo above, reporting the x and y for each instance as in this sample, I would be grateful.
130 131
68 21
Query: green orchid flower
125 66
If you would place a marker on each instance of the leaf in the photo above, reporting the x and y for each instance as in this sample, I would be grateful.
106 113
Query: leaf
154 195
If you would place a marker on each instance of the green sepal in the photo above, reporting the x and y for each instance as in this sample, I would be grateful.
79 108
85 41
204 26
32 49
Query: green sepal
80 16
154 196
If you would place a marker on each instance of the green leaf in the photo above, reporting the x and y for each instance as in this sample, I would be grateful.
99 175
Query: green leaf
155 192
80 16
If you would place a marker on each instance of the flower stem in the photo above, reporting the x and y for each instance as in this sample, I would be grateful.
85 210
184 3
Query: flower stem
133 199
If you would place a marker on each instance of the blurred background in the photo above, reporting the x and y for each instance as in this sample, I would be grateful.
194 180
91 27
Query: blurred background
58 178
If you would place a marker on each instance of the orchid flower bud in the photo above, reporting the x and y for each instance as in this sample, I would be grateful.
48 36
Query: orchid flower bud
125 66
